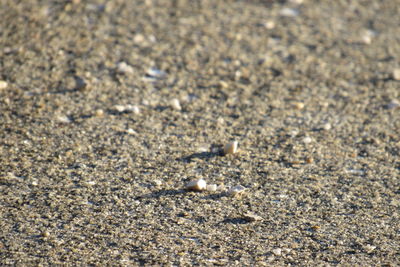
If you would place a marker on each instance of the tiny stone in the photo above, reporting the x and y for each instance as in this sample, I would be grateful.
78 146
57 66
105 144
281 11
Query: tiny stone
298 105
223 84
369 248
124 68
270 24
307 140
396 74
131 131
196 185
157 182
45 234
99 113
3 85
175 104
289 12
231 148
293 133
277 252
138 38
327 126
367 36
119 108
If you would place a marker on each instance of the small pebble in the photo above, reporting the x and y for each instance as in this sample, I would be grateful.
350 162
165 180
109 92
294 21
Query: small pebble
369 248
277 252
175 104
270 24
396 74
124 68
3 85
196 185
367 36
119 108
293 133
289 12
307 140
231 148
63 119
127 108
99 113
157 182
327 126
138 38
251 217
45 234
223 84
131 131
298 105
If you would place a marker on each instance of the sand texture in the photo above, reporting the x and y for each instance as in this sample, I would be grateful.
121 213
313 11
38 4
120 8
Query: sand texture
108 109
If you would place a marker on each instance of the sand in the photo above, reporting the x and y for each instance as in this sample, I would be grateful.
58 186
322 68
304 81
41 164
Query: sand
109 108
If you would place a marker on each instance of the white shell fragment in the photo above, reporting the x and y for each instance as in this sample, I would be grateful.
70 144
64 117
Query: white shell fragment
369 248
156 73
119 108
396 74
127 108
236 190
124 68
196 185
63 119
367 36
231 148
327 126
298 105
3 85
175 104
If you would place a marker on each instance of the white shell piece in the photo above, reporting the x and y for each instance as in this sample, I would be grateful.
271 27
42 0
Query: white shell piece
175 104
196 185
231 148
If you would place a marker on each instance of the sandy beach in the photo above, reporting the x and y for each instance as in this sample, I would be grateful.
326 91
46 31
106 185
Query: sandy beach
109 108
